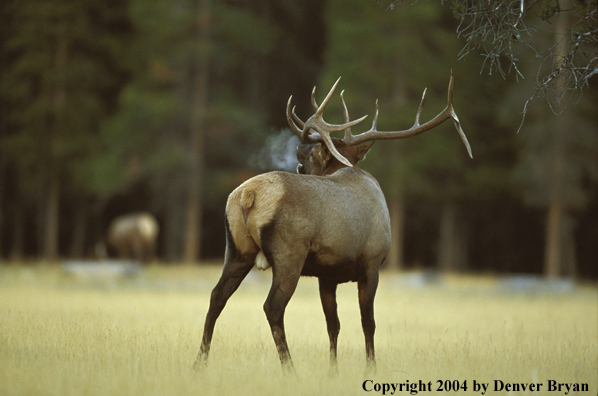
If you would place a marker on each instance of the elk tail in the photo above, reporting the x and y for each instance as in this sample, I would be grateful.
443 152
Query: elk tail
247 199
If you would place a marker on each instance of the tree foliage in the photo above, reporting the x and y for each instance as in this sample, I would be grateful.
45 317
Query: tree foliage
53 56
97 109
508 34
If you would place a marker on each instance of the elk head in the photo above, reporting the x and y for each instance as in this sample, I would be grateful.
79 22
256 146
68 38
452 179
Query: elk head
316 159
323 154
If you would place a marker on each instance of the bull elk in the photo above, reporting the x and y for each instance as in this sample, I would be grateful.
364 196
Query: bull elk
134 236
329 221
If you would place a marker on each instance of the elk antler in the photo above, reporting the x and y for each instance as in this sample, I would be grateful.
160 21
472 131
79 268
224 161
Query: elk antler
323 129
447 113
317 123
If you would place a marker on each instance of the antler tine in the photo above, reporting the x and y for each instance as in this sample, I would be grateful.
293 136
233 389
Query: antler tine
293 120
298 130
297 119
345 110
293 126
320 109
318 117
316 122
312 137
449 98
447 113
345 114
375 121
455 118
421 107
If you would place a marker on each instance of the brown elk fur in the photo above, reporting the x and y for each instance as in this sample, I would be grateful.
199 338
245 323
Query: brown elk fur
133 236
330 221
332 224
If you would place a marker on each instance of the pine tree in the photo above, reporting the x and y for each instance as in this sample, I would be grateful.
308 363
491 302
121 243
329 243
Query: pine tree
66 62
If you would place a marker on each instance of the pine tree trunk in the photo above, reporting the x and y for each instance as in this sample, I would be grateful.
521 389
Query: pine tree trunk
50 252
199 104
175 216
18 232
52 219
570 254
552 263
40 206
553 257
77 248
447 236
452 252
2 200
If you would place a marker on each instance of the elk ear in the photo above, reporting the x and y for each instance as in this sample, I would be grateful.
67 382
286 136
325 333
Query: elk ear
363 150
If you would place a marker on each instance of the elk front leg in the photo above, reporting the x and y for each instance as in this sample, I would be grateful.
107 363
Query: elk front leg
283 286
367 291
233 273
328 298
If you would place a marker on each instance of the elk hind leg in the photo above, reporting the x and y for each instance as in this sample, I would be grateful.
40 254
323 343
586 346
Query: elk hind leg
236 268
232 276
284 283
367 291
328 299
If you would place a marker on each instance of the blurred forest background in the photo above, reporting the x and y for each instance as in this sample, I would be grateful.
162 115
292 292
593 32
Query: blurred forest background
114 106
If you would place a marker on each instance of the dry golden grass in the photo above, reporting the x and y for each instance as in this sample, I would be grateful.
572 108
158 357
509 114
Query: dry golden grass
68 336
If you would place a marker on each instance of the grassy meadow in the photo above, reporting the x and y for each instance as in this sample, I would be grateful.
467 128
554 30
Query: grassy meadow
66 335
